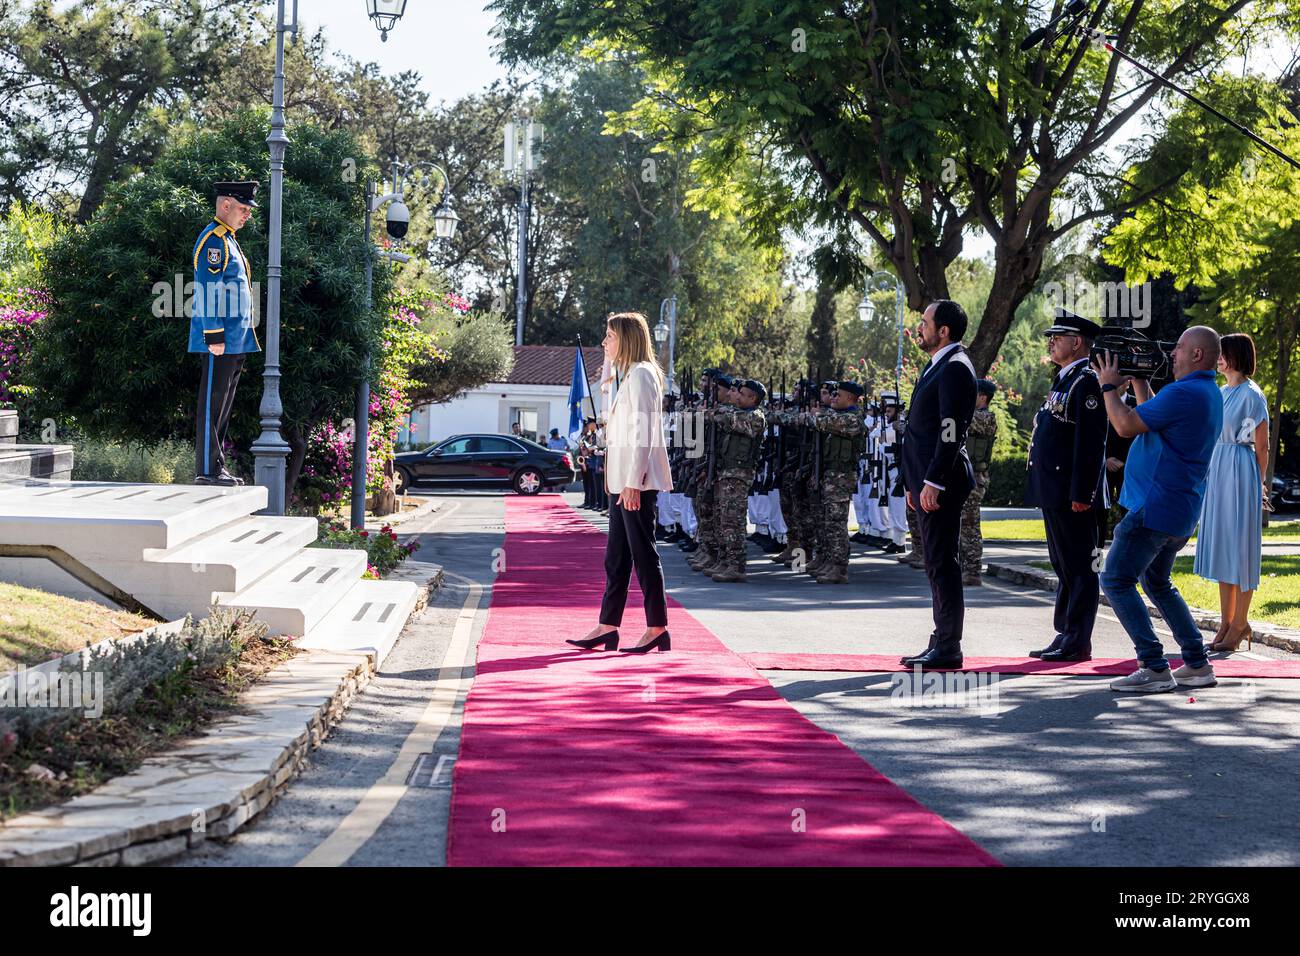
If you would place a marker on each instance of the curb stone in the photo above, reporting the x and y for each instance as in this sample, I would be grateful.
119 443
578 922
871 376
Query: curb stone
1283 638
206 788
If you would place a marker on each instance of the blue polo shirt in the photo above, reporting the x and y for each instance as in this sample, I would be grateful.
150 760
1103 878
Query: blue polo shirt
1166 467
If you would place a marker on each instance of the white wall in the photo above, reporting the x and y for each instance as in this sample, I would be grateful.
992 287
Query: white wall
489 409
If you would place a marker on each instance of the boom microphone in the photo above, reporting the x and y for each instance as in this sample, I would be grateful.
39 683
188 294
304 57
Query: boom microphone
1074 9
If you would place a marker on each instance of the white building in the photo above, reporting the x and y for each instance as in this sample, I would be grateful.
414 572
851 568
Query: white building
535 394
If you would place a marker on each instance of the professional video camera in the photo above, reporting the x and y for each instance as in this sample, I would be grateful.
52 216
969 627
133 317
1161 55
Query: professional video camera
1138 355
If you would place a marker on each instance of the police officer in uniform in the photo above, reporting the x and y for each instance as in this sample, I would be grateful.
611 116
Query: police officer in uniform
221 326
845 440
980 437
1066 456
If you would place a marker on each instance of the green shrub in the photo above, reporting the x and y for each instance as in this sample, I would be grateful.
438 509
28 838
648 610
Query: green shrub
1006 482
166 463
383 553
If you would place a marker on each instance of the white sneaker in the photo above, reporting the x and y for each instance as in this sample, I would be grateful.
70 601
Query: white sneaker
1145 681
1188 676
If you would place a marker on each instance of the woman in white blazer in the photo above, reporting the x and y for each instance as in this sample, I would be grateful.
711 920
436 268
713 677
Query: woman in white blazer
636 470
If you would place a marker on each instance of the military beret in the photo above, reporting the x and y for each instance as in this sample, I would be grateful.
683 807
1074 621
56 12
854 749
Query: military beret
986 387
830 385
853 387
754 386
1067 323
723 379
240 192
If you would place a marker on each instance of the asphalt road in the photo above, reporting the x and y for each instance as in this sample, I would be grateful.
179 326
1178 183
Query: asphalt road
1046 770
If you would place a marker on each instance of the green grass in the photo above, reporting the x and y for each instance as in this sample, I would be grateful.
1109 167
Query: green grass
1021 529
1277 600
36 626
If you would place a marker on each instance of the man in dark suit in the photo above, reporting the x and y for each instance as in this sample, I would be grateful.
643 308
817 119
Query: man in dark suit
1066 460
937 472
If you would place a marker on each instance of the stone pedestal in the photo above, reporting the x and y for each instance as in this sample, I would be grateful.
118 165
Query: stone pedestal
30 461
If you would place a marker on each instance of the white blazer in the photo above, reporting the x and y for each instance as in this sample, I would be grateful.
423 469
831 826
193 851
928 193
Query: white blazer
636 455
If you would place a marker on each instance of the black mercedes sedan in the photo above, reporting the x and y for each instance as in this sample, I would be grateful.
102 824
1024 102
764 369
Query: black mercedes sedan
483 461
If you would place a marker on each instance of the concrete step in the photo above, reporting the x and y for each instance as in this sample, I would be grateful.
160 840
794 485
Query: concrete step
369 618
297 595
118 521
187 578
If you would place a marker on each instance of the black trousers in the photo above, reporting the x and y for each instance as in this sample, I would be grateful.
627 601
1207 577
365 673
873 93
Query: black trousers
1071 547
217 384
940 539
602 496
588 488
632 543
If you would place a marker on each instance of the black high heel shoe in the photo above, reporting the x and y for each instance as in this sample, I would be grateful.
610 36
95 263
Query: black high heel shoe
610 641
663 642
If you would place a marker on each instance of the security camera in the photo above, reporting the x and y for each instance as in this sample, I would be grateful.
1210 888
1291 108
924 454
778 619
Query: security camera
397 219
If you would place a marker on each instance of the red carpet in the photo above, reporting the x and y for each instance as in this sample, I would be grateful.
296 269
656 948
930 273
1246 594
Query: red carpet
1098 667
688 758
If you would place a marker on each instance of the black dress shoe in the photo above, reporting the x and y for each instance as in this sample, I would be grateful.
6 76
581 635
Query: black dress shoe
610 641
1060 656
934 660
892 548
692 546
1055 645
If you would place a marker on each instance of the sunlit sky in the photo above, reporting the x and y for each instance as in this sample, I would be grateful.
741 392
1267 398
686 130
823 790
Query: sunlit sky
446 41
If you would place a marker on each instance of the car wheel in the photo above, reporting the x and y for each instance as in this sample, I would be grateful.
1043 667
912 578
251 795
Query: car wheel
401 481
528 482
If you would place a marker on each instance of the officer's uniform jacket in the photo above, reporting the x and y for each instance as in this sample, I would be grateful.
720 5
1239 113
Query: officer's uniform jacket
1067 450
223 293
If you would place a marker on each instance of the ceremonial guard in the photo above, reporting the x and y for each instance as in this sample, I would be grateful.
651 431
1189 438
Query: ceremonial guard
1066 457
794 490
740 435
893 497
979 445
222 326
844 440
811 472
717 390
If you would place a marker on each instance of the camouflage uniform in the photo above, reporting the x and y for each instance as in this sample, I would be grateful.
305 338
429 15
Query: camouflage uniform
979 444
845 438
740 432
792 496
915 557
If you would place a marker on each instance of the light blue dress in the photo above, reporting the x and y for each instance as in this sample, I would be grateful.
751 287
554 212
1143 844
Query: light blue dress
1232 513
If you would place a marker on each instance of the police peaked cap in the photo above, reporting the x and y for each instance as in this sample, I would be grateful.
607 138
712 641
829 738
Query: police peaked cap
240 192
1067 323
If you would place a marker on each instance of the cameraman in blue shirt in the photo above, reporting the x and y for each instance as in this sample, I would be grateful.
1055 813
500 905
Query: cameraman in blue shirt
1164 482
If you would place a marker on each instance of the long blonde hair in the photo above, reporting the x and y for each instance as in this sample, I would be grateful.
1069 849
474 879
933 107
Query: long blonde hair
634 343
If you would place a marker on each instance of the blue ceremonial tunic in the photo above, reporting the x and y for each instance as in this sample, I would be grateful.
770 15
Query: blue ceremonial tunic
1228 544
223 293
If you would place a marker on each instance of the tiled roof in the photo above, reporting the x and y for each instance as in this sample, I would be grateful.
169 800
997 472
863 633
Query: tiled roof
553 365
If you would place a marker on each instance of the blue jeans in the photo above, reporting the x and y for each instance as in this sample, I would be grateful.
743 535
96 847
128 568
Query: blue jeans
1143 554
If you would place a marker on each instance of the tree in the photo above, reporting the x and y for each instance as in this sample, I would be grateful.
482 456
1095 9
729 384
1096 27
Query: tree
1232 229
909 122
111 356
90 91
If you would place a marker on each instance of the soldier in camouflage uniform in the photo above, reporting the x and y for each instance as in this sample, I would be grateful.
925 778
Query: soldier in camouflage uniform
979 445
811 528
794 494
707 552
740 435
844 440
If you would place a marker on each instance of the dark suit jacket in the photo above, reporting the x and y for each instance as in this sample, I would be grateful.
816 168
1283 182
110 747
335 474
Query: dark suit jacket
934 444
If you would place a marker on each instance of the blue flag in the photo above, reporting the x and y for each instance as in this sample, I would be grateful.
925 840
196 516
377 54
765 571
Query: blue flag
578 393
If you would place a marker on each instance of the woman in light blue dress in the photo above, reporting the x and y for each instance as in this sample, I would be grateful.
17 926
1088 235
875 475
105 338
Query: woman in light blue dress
1228 544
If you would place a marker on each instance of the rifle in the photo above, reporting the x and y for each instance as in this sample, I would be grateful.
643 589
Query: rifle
712 400
817 453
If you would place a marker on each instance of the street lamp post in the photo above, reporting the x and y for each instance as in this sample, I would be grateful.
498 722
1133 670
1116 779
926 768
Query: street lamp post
668 306
270 450
445 222
881 281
